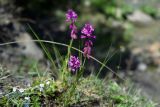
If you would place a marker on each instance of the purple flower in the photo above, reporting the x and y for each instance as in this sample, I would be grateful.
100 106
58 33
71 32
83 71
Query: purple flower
88 43
87 31
73 34
87 48
74 63
71 16
87 51
73 31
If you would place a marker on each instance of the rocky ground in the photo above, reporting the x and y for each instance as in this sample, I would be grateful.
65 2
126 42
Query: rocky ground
146 47
12 30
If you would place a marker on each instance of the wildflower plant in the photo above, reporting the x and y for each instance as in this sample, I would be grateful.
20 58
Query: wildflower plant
73 62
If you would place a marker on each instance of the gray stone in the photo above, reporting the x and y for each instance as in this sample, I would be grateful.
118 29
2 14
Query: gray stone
142 67
28 47
138 17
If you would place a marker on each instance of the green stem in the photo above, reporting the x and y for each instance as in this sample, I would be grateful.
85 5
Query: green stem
66 61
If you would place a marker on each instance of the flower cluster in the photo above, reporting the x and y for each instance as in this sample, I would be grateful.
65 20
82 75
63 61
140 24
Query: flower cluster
87 33
71 16
74 63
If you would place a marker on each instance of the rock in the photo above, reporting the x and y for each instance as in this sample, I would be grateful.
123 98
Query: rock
29 48
149 54
149 83
154 50
138 17
137 51
142 67
10 31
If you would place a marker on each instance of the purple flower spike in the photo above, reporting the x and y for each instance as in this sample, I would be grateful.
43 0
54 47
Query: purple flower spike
74 63
87 31
71 16
73 31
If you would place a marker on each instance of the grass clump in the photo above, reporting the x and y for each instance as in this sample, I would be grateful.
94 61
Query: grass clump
89 92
